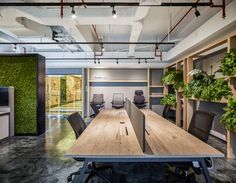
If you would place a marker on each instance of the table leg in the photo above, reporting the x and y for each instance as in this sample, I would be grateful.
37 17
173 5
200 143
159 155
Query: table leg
205 171
83 170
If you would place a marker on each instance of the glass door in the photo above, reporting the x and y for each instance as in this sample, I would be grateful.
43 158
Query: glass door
63 95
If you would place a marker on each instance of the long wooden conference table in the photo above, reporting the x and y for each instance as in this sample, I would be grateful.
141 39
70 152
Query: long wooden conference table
111 138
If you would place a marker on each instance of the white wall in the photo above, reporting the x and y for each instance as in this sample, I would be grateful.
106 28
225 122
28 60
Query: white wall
108 93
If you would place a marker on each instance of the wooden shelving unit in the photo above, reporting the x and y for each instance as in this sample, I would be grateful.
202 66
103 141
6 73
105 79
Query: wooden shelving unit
187 63
155 88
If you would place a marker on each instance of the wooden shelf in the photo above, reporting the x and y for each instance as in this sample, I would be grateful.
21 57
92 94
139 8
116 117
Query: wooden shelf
180 90
156 86
223 100
119 81
156 95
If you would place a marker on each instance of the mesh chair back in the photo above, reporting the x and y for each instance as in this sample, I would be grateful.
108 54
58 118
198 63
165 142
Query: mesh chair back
138 92
77 123
118 98
139 99
95 109
200 125
98 99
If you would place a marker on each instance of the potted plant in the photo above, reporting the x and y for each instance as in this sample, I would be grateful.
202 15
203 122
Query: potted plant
206 87
169 99
228 120
228 64
173 77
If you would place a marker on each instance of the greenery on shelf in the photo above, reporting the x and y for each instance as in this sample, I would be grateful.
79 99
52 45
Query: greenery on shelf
206 87
228 64
228 119
169 99
173 77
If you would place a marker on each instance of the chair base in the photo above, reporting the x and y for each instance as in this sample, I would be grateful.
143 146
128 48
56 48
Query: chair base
92 171
117 107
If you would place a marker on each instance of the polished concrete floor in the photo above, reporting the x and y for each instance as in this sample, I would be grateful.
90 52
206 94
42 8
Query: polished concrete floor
40 160
65 109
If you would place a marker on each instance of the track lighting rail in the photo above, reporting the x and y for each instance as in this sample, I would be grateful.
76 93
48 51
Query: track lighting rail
105 58
97 43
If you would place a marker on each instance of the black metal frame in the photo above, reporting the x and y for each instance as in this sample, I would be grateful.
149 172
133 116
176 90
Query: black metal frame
114 159
88 42
110 4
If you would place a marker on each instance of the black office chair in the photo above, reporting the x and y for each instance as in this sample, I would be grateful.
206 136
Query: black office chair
168 113
78 125
201 123
118 100
98 100
95 110
200 127
139 99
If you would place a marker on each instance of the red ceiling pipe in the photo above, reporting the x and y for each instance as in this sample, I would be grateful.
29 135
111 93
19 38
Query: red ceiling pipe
96 34
172 29
222 6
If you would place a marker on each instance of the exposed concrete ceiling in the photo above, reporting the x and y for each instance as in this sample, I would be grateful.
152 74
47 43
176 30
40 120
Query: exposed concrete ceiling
132 24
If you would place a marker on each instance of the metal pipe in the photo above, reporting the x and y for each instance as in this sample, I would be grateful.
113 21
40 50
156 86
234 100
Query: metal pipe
171 30
110 4
222 6
92 42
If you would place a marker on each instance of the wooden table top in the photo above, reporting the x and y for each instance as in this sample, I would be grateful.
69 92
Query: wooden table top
165 139
110 134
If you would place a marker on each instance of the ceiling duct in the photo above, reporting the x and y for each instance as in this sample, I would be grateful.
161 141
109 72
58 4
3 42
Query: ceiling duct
60 34
42 30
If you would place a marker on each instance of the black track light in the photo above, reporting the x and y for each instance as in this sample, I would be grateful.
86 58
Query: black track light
114 15
94 61
14 47
139 61
117 61
145 60
157 47
197 13
73 15
98 61
102 48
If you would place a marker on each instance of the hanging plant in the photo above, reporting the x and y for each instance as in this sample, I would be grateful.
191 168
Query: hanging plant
174 78
228 119
228 64
169 99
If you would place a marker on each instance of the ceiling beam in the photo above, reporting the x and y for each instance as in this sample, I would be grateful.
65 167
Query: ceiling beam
92 42
110 4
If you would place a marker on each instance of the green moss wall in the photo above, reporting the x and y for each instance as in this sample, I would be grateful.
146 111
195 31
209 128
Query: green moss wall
20 72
